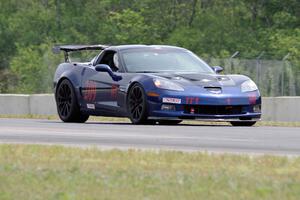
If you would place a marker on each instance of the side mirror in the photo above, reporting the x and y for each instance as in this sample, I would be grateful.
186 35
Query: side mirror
103 68
217 69
106 68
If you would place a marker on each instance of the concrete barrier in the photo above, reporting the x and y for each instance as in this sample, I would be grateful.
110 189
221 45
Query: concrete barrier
42 104
284 109
19 104
14 104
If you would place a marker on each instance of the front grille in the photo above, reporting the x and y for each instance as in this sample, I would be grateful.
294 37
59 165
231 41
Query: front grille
213 110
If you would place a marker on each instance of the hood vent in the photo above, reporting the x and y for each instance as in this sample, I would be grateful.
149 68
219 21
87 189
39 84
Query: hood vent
214 90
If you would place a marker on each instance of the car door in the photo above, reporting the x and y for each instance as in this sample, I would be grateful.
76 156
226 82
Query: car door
100 91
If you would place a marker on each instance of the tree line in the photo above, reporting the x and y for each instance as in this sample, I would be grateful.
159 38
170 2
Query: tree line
210 28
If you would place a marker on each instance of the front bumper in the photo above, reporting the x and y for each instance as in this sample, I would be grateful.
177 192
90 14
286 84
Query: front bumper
247 116
224 108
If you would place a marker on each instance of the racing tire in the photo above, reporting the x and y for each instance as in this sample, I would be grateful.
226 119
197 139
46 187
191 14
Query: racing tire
169 122
67 105
137 105
242 123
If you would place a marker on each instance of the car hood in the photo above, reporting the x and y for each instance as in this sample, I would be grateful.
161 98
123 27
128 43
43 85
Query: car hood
204 80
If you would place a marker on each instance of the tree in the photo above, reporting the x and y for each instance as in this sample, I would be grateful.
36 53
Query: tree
34 68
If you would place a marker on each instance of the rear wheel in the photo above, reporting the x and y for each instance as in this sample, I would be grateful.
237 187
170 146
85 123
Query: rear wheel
67 105
137 105
242 123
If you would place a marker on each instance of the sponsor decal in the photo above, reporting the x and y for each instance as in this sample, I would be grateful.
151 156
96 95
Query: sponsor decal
114 91
192 100
90 91
171 100
90 106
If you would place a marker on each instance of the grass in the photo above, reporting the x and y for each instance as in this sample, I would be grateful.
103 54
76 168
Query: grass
117 119
56 172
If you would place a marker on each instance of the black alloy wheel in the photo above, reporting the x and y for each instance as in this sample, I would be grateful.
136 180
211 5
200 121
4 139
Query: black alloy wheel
238 123
67 106
137 105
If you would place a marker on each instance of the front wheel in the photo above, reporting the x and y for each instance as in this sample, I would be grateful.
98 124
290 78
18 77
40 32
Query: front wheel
137 104
67 106
242 123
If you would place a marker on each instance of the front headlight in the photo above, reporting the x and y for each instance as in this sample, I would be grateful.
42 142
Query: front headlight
248 86
167 85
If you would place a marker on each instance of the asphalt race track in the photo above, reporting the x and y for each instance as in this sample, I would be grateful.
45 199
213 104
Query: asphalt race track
273 140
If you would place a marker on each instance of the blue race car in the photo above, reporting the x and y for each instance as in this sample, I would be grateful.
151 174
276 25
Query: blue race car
151 84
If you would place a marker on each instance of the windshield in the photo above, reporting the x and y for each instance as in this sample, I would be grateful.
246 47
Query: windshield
163 60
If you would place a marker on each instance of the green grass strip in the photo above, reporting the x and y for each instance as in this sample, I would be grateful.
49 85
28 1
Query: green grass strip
56 172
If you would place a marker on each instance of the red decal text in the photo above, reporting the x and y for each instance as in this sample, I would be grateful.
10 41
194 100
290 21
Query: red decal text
90 91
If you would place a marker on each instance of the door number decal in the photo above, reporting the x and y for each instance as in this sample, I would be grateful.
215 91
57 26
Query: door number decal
90 91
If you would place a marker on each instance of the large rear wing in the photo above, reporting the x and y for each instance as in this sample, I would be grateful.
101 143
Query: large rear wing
69 48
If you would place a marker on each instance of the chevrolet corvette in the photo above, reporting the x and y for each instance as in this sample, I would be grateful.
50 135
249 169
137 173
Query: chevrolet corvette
151 84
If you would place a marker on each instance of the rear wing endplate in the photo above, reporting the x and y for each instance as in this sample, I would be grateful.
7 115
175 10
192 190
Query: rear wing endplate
69 48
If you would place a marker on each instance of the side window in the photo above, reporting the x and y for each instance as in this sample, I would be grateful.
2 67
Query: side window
110 58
